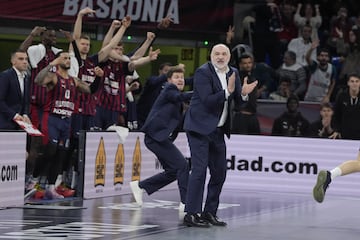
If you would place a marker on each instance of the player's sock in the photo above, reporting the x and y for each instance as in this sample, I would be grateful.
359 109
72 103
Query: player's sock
336 172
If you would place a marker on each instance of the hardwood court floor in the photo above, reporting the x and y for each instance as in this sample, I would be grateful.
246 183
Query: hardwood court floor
250 215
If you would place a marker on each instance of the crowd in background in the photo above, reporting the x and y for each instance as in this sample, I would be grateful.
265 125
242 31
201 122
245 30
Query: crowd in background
300 51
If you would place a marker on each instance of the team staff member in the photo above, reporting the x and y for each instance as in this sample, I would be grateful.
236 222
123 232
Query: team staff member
163 119
14 92
206 121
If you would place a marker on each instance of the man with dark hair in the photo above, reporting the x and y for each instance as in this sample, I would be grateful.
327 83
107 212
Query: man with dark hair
301 45
163 119
295 72
347 110
322 78
14 92
40 56
245 119
283 91
58 109
291 123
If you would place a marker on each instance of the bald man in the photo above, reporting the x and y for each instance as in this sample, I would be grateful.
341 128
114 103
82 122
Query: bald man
207 120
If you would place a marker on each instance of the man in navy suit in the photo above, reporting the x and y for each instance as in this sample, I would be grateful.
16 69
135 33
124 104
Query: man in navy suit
206 121
14 92
163 119
152 89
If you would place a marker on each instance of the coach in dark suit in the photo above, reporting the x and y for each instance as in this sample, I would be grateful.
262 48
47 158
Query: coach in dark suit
163 119
14 92
152 89
206 121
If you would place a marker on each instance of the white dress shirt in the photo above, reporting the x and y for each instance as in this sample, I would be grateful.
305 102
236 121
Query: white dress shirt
223 81
21 79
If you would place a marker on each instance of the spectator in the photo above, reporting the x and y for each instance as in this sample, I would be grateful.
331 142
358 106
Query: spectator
236 49
267 25
290 30
292 70
245 119
349 56
308 18
322 78
301 45
324 127
283 92
347 110
340 25
291 123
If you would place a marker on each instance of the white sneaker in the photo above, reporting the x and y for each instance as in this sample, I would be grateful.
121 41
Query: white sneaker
30 193
52 194
137 192
181 211
31 184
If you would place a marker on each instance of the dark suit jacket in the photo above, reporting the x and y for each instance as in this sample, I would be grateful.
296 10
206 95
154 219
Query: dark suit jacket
11 99
207 103
151 91
166 113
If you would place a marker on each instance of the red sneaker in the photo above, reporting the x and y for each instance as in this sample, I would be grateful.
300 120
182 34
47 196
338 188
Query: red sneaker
40 192
62 189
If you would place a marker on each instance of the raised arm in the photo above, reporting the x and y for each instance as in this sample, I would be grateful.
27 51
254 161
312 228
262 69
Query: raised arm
141 61
140 52
162 25
78 22
314 45
230 35
110 33
105 50
28 41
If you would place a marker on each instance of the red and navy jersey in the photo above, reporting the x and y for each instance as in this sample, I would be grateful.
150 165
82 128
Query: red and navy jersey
112 95
38 93
61 99
86 102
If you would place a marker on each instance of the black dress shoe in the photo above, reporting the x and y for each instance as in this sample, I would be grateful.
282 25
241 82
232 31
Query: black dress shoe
213 219
194 220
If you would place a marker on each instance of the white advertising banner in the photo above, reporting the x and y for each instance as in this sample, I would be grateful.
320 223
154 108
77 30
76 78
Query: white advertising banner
288 164
110 166
256 163
12 168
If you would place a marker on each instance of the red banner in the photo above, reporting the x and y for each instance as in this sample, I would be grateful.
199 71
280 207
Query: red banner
193 16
